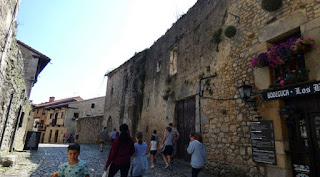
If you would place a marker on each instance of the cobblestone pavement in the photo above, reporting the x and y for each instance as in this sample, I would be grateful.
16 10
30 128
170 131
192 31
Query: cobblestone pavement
46 160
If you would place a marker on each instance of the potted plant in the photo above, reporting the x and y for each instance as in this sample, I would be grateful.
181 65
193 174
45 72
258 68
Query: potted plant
290 114
303 45
260 61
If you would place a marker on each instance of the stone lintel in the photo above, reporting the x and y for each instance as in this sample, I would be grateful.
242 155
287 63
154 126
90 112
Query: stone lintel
310 25
283 27
262 47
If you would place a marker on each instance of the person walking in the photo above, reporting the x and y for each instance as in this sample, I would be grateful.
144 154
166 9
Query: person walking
175 138
64 138
198 153
103 137
140 162
154 133
113 135
167 143
120 153
153 150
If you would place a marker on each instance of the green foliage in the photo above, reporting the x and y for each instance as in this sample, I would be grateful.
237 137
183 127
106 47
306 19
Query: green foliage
168 93
271 5
230 31
216 38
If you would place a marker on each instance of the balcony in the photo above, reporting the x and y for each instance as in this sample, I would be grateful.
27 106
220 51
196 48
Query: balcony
60 121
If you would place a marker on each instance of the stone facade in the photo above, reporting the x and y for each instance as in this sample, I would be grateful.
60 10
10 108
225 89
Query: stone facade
85 108
123 100
15 104
212 77
53 119
87 134
90 108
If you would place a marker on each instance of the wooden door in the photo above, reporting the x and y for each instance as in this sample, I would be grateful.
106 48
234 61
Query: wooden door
186 112
304 136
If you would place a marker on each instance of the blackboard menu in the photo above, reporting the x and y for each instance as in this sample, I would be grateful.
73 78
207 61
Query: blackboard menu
262 140
32 141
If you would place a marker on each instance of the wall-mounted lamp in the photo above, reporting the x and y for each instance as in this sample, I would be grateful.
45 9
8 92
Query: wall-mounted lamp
245 94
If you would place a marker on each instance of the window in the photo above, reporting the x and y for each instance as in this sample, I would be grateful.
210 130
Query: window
293 70
76 115
51 115
56 116
111 90
62 115
148 102
158 66
37 111
21 119
93 105
173 62
43 111
41 122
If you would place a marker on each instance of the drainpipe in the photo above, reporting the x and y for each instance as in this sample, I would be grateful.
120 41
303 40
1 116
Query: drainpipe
13 134
201 95
5 123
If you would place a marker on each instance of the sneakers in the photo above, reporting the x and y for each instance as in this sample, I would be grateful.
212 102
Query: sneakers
167 165
152 166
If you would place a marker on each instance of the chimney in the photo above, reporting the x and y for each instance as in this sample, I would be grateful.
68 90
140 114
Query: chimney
51 99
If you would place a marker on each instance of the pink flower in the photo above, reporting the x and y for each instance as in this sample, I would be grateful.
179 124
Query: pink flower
279 78
282 82
293 71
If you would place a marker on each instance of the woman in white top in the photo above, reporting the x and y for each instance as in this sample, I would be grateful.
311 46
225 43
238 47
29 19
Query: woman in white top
153 150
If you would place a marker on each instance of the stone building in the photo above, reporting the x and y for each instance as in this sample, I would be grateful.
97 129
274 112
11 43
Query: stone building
83 113
18 73
52 119
192 75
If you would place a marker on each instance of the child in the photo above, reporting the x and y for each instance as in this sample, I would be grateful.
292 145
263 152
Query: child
168 148
153 150
154 133
198 153
140 162
74 167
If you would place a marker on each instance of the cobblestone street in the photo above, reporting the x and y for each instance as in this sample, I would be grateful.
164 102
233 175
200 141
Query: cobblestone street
46 160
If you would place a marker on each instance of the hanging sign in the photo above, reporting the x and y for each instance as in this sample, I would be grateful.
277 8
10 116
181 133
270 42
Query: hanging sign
262 141
293 91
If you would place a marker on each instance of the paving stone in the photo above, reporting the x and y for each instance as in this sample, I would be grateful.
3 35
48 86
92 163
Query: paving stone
49 157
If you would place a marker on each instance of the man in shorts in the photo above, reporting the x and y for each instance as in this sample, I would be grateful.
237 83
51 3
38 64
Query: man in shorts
103 137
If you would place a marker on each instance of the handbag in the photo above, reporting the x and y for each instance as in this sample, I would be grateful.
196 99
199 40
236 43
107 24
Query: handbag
162 147
97 139
105 174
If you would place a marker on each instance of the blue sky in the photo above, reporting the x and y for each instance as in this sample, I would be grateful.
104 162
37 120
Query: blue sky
85 39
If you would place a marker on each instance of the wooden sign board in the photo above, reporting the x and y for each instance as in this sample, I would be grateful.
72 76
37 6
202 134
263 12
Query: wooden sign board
32 140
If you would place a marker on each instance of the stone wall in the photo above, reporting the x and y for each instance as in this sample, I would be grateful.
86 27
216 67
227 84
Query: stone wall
87 134
221 116
8 28
83 108
15 107
124 94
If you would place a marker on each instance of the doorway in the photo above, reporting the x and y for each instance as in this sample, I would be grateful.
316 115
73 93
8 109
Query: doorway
186 112
304 136
56 136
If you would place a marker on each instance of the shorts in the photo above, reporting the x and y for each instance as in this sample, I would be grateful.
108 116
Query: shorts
168 150
153 152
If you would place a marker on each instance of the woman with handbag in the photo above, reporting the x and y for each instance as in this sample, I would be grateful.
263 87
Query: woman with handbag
120 153
168 147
